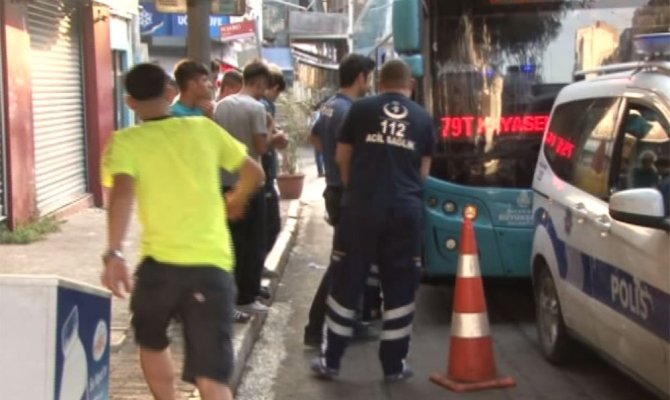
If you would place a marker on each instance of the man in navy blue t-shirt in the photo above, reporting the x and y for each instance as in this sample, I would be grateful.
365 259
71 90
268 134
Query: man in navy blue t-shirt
384 152
354 72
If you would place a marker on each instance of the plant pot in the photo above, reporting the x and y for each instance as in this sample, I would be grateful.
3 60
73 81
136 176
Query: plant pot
290 186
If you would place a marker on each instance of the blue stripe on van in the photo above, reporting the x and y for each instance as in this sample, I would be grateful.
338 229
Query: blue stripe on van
640 302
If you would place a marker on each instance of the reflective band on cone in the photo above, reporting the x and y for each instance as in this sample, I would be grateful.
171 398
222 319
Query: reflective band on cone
468 266
471 361
470 325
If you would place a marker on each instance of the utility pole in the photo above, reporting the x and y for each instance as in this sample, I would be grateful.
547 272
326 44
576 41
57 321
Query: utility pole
198 43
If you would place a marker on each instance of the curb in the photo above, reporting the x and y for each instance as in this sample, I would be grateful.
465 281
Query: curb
275 262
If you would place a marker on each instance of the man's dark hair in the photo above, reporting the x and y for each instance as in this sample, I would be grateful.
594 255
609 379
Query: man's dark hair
353 65
231 77
187 70
278 80
256 70
146 81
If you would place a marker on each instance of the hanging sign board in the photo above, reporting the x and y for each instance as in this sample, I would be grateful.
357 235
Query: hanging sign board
238 30
220 7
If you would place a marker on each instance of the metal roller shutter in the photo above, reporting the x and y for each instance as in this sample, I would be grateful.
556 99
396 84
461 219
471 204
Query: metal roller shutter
58 112
3 195
3 191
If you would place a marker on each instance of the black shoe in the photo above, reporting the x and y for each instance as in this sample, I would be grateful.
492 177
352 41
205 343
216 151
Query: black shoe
264 293
405 374
322 371
241 317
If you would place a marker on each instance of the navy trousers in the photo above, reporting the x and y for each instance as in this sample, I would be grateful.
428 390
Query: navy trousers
390 238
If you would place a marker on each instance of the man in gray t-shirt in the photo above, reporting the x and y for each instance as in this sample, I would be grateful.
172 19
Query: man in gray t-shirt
244 117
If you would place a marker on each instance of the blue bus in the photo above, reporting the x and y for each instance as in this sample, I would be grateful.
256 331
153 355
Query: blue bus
489 71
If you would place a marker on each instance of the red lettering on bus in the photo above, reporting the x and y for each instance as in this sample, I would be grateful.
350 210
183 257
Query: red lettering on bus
445 126
482 125
541 122
505 124
467 126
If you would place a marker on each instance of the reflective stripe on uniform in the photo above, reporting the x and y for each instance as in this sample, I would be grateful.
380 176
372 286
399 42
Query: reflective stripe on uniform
339 329
339 309
470 325
398 312
396 334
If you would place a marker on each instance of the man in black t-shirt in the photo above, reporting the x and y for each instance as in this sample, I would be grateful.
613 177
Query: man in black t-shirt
383 152
354 72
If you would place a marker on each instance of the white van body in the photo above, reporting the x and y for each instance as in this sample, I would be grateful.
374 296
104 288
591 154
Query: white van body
601 221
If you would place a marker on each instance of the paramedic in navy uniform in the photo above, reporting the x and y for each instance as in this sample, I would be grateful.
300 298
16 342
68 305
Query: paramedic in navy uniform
384 152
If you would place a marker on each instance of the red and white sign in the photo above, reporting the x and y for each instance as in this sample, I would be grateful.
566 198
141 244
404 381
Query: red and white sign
238 30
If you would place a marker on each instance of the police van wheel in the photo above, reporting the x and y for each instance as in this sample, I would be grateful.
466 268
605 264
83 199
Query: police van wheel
553 336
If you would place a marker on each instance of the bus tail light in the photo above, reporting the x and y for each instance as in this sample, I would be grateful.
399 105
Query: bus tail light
470 212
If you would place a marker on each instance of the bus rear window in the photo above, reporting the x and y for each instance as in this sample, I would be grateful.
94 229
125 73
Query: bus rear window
496 69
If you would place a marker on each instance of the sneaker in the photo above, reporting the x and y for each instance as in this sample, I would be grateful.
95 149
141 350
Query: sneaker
405 374
322 371
255 307
241 317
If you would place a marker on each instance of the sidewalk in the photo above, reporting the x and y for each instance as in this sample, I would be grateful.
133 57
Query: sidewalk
74 253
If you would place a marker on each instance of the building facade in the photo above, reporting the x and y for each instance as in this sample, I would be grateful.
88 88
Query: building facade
164 35
60 100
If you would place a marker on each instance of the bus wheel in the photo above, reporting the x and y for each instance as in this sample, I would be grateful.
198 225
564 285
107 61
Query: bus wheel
554 340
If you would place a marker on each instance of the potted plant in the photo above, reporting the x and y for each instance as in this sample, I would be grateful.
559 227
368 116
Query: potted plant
292 118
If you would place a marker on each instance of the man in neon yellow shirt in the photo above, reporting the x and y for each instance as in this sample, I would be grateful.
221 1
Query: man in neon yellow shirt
171 167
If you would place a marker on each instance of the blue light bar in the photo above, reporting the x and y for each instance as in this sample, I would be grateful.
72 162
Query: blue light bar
528 68
653 45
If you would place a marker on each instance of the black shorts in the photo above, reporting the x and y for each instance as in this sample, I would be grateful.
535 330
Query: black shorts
203 296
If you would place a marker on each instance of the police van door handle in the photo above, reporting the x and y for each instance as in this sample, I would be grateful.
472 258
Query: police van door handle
580 211
604 223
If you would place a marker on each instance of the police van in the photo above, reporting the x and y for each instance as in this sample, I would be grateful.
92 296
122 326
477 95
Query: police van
601 244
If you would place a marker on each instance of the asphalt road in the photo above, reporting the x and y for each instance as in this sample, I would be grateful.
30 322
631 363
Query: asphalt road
278 368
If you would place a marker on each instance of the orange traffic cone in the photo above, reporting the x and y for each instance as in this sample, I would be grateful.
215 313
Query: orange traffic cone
471 361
